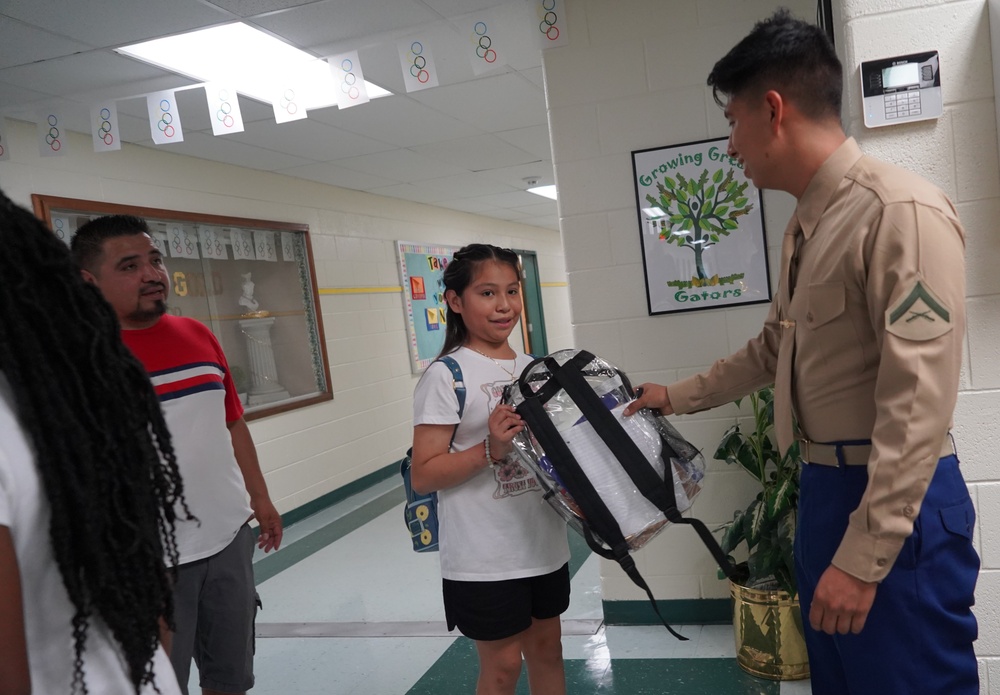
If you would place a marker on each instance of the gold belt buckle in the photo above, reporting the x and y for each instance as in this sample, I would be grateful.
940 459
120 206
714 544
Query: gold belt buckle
786 323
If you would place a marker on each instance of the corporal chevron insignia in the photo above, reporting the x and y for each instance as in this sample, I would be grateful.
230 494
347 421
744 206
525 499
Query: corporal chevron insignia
919 315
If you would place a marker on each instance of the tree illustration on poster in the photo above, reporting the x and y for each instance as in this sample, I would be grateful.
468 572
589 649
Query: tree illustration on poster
421 271
701 229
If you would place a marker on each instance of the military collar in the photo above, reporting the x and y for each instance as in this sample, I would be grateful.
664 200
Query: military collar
824 183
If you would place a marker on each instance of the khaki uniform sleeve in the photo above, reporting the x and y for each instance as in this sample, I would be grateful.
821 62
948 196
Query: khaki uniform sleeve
743 372
916 301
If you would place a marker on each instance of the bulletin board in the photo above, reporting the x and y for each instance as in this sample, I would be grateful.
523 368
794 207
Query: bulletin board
421 272
251 282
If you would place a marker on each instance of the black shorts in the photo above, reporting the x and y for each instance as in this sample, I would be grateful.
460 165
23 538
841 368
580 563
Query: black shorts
496 610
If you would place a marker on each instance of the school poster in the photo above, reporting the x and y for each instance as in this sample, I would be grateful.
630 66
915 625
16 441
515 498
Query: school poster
701 227
421 271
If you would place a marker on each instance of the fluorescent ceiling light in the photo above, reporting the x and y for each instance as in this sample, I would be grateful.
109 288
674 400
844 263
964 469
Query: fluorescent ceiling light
254 63
546 191
653 212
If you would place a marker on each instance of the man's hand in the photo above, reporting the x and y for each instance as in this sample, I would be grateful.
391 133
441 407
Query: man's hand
651 396
270 524
841 602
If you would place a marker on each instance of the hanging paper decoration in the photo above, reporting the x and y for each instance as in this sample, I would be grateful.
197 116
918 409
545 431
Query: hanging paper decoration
161 243
485 54
182 242
288 246
4 150
61 228
164 119
223 109
212 244
346 70
497 35
52 140
551 16
242 243
104 127
419 70
263 243
287 104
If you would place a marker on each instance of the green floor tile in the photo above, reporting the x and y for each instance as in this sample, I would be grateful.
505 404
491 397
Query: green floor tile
455 673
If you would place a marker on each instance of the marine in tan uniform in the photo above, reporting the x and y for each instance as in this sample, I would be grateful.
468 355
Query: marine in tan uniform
864 343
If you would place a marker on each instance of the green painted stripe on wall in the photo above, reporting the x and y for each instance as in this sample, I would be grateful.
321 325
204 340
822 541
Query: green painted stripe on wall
697 611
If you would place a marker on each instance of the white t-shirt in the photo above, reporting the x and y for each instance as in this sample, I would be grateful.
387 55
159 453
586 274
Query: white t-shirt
495 525
48 612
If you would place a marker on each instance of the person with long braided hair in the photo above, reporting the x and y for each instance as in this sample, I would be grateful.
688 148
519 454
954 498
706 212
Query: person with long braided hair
89 485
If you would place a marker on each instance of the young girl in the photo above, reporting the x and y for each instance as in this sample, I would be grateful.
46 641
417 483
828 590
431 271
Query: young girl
503 550
88 485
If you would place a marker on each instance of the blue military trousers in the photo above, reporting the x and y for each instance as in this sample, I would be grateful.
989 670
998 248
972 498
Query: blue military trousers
919 634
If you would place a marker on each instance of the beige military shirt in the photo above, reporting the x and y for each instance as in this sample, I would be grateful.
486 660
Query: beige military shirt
878 315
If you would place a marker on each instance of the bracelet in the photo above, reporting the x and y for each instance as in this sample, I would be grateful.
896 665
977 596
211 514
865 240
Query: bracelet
490 461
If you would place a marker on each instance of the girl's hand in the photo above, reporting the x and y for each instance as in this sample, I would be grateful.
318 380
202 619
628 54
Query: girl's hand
505 424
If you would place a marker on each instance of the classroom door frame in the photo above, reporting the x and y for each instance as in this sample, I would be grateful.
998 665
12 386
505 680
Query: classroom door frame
533 314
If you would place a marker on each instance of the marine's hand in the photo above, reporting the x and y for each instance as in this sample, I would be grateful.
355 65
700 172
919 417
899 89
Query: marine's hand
270 524
841 602
651 396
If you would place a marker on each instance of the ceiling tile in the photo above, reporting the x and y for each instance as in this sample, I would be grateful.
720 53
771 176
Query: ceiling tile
249 8
468 185
409 191
333 175
501 102
478 153
103 23
224 149
402 164
534 139
79 74
338 20
398 120
22 43
309 139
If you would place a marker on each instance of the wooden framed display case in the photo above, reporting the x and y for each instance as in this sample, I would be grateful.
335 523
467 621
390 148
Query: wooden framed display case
252 282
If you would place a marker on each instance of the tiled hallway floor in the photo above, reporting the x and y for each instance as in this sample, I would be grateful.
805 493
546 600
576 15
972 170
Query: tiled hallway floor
350 609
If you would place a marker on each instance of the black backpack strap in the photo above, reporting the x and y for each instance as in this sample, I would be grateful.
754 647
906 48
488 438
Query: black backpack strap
633 461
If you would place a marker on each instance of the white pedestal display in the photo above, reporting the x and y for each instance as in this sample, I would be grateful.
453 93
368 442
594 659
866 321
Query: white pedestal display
264 385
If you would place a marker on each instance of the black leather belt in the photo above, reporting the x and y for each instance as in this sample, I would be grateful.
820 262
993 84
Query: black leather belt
852 453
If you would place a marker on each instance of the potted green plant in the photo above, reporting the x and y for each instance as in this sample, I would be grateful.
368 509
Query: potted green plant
766 616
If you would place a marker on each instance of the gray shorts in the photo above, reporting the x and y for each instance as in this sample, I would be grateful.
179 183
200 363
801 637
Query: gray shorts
215 604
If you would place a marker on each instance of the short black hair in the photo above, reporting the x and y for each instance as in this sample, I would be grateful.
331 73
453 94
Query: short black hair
88 242
786 54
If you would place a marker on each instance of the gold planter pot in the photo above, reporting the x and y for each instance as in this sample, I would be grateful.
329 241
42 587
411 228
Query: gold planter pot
768 629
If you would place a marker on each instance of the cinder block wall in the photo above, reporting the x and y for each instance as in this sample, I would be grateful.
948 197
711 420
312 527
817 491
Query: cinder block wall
633 77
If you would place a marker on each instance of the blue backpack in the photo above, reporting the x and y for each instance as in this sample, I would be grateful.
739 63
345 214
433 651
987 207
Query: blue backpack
420 512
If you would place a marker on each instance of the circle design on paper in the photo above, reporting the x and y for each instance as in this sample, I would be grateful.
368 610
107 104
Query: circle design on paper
419 63
166 119
349 82
483 49
288 102
52 137
225 109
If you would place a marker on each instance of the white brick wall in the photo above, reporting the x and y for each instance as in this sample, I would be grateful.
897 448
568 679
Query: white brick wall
311 451
632 78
